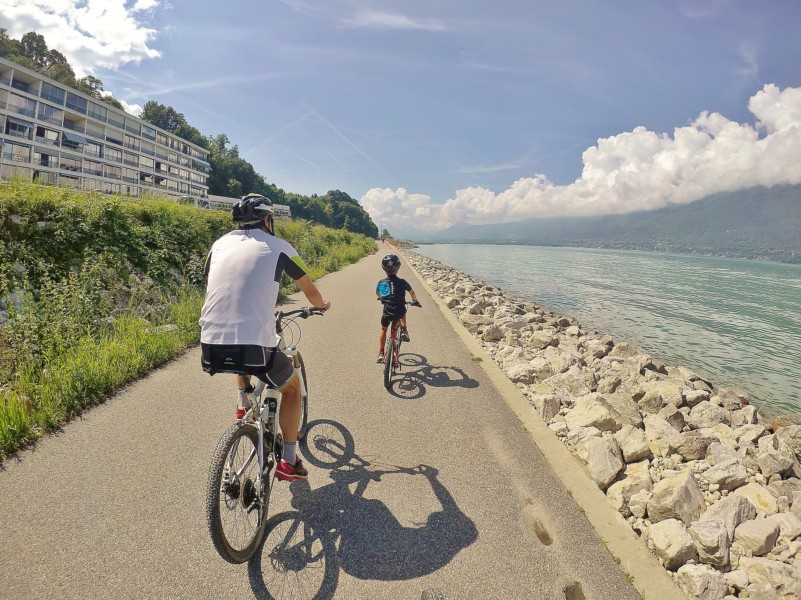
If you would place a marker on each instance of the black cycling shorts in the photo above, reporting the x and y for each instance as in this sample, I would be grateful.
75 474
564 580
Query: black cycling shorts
392 313
270 365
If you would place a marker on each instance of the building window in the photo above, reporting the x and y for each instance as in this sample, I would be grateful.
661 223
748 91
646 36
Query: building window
23 106
70 164
93 168
146 162
97 111
116 120
148 132
131 142
48 136
113 154
18 128
16 152
45 160
50 114
52 93
76 103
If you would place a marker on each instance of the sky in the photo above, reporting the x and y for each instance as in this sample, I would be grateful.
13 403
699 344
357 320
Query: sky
437 112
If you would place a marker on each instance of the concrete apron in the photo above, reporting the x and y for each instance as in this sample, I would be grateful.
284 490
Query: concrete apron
649 577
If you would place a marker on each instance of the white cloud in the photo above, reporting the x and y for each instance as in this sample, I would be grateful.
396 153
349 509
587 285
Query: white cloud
91 34
632 171
384 20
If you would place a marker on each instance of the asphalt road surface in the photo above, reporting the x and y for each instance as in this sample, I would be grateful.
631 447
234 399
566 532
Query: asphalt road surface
436 483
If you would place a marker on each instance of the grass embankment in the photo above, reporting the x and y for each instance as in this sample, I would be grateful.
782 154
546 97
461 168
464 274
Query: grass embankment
95 291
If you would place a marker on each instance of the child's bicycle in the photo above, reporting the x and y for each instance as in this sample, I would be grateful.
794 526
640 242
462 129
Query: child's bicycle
240 475
392 348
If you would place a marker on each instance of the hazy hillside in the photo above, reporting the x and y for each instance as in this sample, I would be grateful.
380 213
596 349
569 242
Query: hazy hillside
755 223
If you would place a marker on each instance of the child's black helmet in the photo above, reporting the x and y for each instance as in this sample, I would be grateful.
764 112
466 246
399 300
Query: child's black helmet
390 263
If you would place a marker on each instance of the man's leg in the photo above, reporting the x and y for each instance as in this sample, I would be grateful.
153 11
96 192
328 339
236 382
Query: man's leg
289 412
291 467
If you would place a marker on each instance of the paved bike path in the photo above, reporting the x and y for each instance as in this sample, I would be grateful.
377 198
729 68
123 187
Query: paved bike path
437 483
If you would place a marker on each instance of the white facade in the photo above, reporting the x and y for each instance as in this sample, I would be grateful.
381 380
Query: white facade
54 134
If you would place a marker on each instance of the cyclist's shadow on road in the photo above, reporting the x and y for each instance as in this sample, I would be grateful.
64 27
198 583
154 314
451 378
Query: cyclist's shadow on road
335 527
416 375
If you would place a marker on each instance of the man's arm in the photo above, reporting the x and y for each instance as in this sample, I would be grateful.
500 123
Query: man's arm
307 286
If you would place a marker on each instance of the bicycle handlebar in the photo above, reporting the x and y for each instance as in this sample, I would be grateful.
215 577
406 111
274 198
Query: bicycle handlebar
304 313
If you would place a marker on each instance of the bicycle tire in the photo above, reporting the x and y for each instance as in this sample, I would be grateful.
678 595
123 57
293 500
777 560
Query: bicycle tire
304 401
388 360
240 498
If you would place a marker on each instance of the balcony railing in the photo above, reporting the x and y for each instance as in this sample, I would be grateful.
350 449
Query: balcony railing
5 80
74 127
28 112
51 120
21 86
43 140
16 157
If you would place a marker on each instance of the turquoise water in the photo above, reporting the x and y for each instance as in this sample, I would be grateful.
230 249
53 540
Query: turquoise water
735 322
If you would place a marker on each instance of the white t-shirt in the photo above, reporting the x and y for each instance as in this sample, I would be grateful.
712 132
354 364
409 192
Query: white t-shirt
244 272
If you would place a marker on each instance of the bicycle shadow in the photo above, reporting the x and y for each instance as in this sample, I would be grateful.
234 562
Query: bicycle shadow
336 528
412 384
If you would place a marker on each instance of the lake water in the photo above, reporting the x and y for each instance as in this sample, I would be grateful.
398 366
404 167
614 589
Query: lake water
734 322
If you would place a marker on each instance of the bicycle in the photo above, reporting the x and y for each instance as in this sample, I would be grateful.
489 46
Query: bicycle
392 348
239 484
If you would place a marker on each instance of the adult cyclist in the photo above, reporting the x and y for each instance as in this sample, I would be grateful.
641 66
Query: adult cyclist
237 321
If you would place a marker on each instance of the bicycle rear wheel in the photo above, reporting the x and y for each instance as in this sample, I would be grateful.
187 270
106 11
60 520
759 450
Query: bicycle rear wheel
304 401
389 347
236 505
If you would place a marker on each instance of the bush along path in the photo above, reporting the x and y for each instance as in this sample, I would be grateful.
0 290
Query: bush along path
95 291
712 488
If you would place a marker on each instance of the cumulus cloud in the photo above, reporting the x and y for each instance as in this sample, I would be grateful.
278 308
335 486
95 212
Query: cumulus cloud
632 171
91 34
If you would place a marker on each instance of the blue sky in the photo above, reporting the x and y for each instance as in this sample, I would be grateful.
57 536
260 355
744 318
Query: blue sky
432 112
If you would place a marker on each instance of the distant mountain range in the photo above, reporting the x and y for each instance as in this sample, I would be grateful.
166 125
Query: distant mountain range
757 223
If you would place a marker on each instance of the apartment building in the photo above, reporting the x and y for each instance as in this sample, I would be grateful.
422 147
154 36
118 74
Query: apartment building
54 134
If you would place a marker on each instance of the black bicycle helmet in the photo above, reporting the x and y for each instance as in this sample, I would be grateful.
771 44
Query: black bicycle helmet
390 263
252 209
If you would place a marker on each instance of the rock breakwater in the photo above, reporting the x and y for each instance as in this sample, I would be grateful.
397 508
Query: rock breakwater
713 489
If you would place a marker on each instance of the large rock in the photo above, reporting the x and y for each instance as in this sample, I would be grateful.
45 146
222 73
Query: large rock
593 410
731 511
636 478
701 582
692 445
792 437
758 535
712 542
784 578
602 457
776 457
727 475
707 414
760 497
677 497
660 435
671 543
632 444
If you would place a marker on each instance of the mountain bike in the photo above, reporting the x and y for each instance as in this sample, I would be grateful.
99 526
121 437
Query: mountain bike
392 348
240 475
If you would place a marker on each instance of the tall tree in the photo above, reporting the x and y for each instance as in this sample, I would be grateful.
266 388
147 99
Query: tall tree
165 117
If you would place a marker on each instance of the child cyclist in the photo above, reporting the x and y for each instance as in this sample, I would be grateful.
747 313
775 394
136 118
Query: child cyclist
391 291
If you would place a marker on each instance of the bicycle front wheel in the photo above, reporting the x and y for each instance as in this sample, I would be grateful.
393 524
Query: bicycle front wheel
304 401
236 500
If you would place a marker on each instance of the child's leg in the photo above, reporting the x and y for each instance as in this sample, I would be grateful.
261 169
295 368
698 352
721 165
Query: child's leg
382 339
